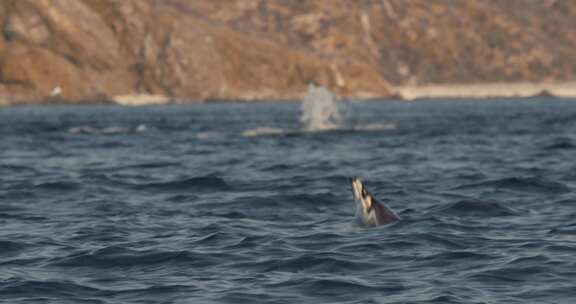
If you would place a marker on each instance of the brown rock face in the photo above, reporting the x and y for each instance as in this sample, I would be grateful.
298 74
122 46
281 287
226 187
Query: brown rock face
93 50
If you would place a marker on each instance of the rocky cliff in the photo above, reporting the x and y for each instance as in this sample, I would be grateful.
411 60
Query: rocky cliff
94 50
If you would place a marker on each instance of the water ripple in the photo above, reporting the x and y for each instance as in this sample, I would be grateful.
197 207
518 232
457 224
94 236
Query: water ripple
93 210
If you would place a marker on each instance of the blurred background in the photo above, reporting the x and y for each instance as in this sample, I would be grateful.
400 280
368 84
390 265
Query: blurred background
150 51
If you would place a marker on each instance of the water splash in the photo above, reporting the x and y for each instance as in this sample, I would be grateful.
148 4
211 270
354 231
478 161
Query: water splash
107 130
263 131
320 110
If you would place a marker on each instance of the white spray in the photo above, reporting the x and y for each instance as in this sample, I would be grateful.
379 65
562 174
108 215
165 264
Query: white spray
320 110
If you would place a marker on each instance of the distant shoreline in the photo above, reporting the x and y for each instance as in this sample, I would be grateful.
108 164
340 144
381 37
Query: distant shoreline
487 90
471 92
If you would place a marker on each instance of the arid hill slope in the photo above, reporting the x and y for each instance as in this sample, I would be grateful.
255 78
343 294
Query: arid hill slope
93 50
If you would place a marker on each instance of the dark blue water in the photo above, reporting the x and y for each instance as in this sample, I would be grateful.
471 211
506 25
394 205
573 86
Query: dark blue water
174 205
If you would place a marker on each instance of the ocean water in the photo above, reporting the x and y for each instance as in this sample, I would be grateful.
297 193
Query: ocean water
237 203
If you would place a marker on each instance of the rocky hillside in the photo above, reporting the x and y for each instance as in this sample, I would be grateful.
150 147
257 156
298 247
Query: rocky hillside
95 50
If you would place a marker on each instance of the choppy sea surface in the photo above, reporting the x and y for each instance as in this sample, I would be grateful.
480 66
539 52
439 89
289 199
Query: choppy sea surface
236 203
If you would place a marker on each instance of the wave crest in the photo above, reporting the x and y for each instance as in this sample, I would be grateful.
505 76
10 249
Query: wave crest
477 208
520 184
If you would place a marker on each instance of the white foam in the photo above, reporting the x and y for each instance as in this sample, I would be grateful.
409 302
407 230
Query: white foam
141 128
263 131
107 130
207 135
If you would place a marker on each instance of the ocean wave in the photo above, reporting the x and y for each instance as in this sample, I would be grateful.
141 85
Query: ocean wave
277 168
477 208
146 165
23 216
566 248
182 198
520 184
456 255
560 293
315 263
11 247
166 217
562 143
17 168
360 246
511 274
563 230
116 256
46 289
283 201
270 131
376 127
537 259
17 261
58 186
443 240
11 208
343 288
197 183
248 242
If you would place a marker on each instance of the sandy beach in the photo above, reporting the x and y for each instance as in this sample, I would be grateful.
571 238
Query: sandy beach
489 90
